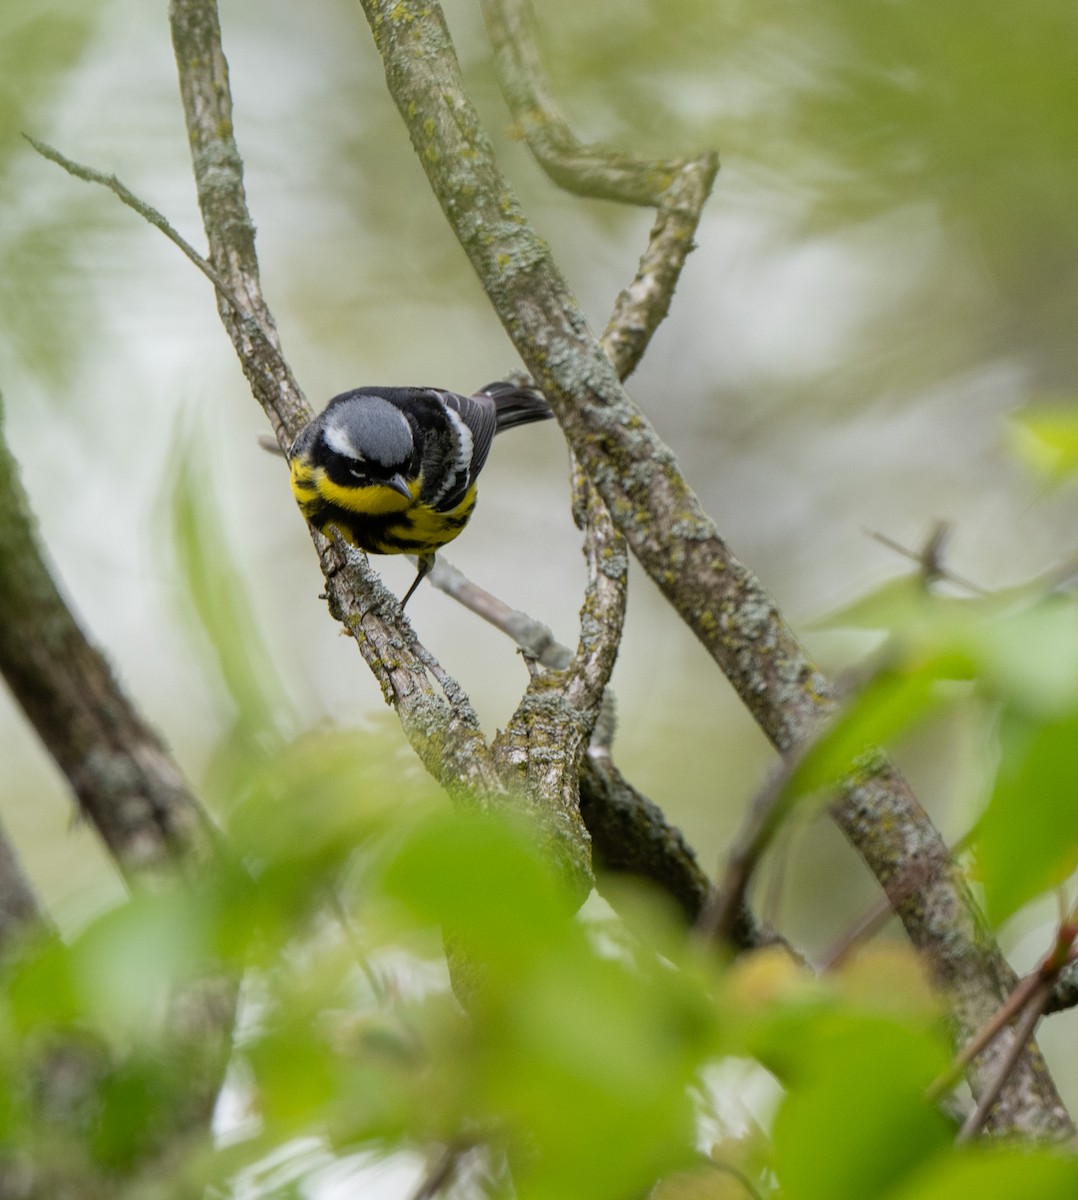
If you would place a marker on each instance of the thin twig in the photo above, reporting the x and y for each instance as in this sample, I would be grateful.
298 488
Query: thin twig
1028 1003
868 924
1000 1019
765 818
726 900
441 1173
344 920
930 557
916 876
532 636
1023 1032
144 210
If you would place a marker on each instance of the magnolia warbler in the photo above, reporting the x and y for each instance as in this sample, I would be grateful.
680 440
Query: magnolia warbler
394 468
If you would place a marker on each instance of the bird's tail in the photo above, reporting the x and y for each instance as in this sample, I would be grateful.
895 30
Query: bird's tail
517 405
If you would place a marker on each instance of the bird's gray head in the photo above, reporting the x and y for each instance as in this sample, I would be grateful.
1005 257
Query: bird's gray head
369 429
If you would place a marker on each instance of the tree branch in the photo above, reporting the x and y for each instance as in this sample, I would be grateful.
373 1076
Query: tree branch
629 833
435 714
653 506
128 786
677 188
595 170
119 769
19 910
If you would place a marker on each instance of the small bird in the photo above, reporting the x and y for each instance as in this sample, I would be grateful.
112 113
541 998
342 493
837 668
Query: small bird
394 468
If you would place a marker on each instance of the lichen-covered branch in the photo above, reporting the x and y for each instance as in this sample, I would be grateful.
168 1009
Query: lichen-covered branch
207 102
653 506
677 188
122 775
642 306
436 716
595 170
543 745
603 614
634 471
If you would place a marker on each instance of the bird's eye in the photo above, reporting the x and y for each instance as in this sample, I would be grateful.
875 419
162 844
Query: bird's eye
358 473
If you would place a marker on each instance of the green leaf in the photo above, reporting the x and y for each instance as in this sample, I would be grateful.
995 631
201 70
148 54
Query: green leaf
891 703
855 1122
135 1114
904 603
297 1075
220 600
127 962
1045 438
577 1047
992 1173
41 988
586 1053
1027 840
1028 653
485 881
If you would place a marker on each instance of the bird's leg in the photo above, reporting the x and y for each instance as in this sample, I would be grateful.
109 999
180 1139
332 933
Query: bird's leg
424 562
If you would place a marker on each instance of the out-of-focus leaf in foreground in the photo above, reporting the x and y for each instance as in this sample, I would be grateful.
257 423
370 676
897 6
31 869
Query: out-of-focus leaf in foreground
1018 653
573 1052
836 1100
224 607
993 1173
855 1053
45 309
1045 438
1027 840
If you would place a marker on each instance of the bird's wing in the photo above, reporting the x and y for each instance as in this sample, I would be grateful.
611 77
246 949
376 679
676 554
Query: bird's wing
480 414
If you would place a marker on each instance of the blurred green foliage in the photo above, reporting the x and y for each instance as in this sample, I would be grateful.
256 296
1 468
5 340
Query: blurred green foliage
36 47
1014 657
40 44
220 611
993 1174
1045 437
574 1061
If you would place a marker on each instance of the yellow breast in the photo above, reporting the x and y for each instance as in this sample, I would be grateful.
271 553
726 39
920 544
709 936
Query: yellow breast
310 485
376 518
372 499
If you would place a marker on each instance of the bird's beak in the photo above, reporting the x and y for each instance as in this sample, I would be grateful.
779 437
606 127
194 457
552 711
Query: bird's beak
398 484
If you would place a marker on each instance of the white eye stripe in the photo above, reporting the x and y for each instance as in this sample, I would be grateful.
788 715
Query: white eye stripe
339 442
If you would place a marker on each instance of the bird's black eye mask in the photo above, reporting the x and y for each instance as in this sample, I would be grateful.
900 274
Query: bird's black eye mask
347 471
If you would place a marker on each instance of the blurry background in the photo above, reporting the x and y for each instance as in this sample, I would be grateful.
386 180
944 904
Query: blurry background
886 270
